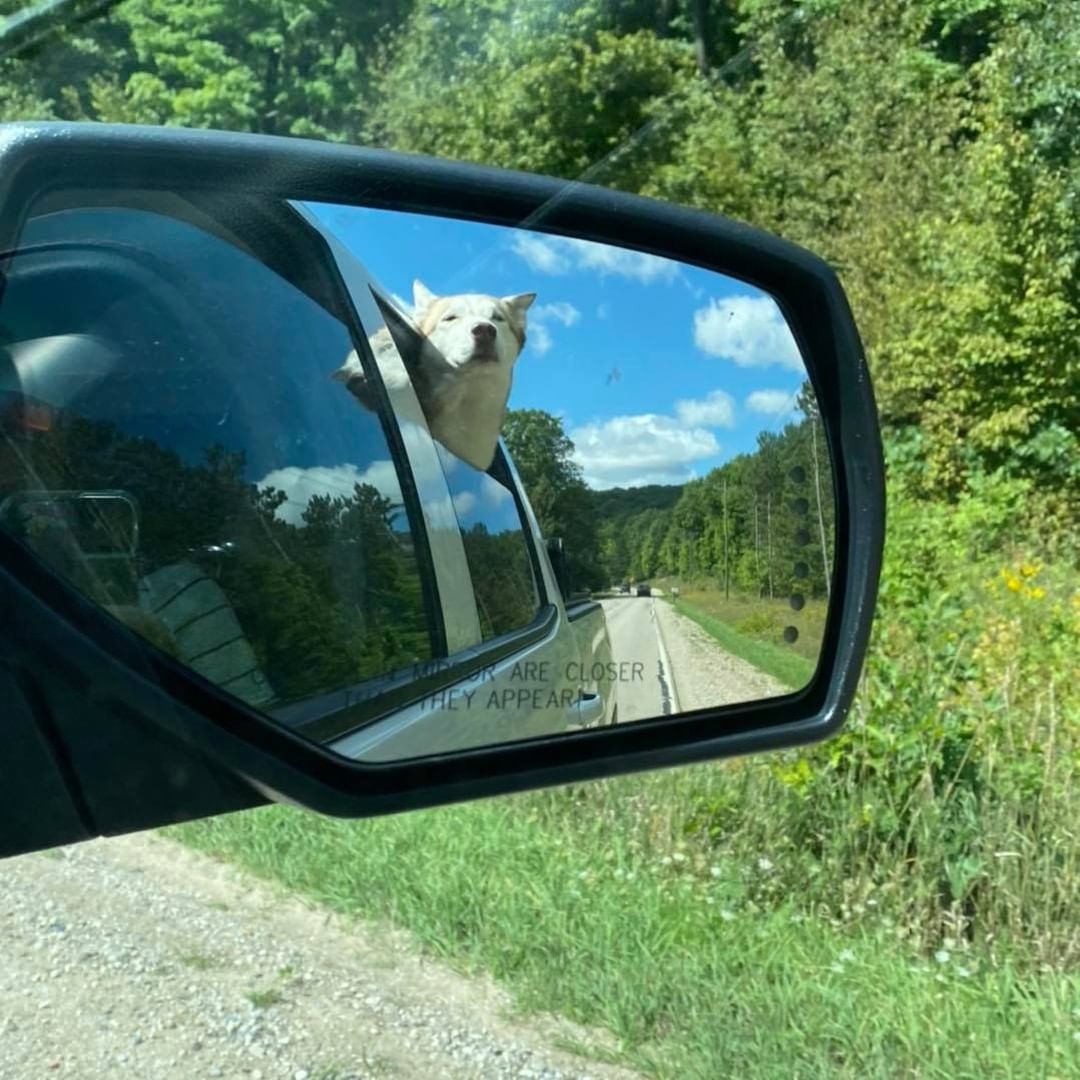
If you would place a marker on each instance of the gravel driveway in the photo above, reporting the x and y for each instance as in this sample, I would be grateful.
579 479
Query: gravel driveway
137 957
706 675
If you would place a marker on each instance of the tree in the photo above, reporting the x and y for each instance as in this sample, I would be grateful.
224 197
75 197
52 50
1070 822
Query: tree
535 87
807 403
543 454
288 67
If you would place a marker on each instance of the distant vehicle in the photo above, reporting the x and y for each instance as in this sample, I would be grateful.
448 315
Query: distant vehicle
644 590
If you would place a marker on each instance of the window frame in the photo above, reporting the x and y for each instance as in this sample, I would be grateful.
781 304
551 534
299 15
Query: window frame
344 712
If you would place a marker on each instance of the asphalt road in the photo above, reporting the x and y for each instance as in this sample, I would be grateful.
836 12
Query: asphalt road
646 689
670 664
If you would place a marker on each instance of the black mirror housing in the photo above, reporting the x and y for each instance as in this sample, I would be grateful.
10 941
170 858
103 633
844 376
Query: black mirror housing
59 648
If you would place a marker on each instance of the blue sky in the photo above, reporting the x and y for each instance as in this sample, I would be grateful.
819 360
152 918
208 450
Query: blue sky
659 371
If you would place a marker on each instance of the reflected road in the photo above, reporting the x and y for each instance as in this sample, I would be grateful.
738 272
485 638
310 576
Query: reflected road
636 643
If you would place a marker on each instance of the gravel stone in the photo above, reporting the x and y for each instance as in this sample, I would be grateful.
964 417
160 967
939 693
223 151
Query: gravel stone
136 956
705 675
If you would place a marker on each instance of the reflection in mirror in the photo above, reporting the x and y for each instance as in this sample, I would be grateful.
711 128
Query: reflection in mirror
267 439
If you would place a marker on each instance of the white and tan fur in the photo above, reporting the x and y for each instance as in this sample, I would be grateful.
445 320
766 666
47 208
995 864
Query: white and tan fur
459 354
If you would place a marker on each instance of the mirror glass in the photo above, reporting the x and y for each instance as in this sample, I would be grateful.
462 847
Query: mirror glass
409 484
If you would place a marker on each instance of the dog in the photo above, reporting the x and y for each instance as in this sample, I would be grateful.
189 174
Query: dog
459 354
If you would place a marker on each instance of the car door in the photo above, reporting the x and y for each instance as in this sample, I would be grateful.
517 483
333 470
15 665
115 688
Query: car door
281 550
513 664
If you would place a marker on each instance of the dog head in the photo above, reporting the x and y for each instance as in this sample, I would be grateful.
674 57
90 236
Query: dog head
472 328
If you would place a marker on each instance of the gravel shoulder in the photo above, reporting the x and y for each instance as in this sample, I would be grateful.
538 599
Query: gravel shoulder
705 675
136 956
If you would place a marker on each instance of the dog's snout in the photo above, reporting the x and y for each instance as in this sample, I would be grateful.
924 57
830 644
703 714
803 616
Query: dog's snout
484 332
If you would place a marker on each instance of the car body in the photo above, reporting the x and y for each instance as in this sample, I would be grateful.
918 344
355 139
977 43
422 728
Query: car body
538 666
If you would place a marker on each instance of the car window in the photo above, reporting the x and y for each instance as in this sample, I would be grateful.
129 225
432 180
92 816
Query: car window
176 447
496 545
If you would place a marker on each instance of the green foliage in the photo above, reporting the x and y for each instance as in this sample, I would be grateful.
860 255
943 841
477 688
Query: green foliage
964 734
526 86
296 67
277 66
620 503
543 454
503 580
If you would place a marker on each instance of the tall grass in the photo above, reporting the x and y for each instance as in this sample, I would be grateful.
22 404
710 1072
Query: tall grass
756 645
903 900
759 619
610 904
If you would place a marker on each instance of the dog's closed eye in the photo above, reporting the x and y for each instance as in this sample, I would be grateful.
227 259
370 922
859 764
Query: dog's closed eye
449 318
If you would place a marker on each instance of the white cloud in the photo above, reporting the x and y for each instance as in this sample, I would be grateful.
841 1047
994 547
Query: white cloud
749 330
771 402
560 254
566 313
448 461
621 261
464 503
539 333
301 485
494 493
539 338
716 410
540 254
627 451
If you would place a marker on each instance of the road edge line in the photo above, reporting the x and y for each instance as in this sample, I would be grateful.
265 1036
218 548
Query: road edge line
665 659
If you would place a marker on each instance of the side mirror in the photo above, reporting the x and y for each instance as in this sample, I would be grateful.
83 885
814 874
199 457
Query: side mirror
366 378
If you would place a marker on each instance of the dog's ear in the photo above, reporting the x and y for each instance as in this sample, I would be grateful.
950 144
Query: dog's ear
350 369
423 297
521 303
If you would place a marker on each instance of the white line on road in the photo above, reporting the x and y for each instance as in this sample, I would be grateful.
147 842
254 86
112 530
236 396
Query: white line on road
667 685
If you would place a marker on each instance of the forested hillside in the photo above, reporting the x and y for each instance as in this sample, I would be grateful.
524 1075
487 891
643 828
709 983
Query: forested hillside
930 150
620 503
761 525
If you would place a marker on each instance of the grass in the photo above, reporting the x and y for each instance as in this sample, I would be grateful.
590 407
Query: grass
199 961
263 999
727 621
900 901
606 903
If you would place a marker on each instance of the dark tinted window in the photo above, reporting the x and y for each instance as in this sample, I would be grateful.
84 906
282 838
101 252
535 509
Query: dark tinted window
174 444
495 546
